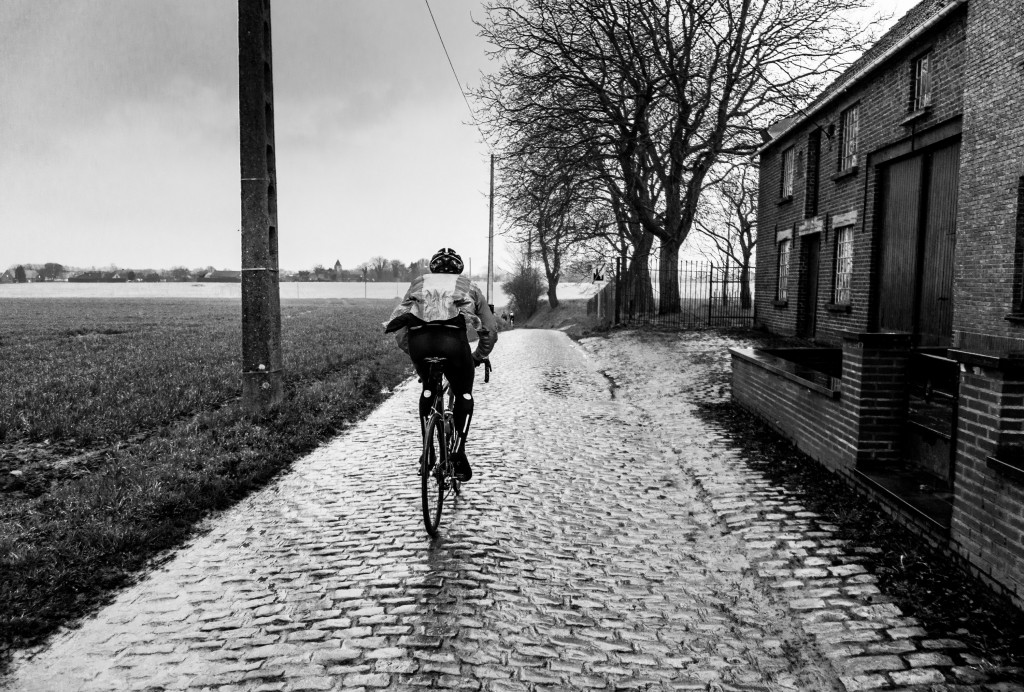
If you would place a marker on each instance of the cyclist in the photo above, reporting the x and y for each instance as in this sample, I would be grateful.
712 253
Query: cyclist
443 312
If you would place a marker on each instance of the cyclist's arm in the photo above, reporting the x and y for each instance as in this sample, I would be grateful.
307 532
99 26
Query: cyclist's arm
488 331
409 300
403 308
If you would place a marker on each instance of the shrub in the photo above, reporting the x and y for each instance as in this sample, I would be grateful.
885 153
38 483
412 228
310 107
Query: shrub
525 287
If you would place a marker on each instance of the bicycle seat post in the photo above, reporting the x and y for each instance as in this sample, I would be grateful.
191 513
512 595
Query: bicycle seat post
436 370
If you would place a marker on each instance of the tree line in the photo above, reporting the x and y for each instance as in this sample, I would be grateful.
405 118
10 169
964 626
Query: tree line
53 271
621 126
377 268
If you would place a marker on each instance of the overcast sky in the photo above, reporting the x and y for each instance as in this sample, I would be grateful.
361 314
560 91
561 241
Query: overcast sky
119 132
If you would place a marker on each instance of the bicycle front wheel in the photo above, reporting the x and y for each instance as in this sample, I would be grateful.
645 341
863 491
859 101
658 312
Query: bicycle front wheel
432 461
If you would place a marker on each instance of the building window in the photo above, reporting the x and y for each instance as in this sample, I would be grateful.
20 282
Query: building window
844 265
848 139
921 81
781 292
788 161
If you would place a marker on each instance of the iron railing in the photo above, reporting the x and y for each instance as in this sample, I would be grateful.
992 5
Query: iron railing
709 295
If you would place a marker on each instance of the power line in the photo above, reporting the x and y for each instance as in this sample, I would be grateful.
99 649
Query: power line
458 82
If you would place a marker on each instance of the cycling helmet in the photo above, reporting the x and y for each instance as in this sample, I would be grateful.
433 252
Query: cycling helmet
446 261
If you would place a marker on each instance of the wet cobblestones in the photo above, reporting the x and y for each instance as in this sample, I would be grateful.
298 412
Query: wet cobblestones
829 593
603 544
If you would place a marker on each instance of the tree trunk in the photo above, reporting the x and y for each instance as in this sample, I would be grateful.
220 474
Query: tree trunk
745 286
639 293
725 283
668 278
552 295
551 259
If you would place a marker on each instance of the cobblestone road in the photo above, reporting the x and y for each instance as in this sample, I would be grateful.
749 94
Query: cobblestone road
605 542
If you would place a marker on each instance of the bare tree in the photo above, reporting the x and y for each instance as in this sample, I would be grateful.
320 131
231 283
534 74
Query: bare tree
420 266
549 197
727 219
661 89
379 266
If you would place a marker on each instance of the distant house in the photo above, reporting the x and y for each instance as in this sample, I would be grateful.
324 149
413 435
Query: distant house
7 277
891 217
223 275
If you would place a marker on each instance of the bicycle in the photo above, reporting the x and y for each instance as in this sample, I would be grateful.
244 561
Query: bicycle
440 442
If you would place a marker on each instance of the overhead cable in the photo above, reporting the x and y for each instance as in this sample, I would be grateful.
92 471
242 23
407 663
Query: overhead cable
472 114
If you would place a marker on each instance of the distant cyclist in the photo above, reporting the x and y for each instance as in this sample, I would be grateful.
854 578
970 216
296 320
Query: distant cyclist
443 312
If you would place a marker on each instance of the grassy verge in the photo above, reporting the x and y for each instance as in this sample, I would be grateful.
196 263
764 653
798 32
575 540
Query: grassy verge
165 437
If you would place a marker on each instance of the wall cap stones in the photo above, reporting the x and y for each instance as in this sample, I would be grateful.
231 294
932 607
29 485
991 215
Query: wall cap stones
785 369
1006 363
887 340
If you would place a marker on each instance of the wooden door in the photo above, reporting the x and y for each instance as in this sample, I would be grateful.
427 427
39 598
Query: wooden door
811 245
935 305
901 218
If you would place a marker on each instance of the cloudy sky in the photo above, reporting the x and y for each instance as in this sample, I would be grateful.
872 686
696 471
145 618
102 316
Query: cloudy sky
119 132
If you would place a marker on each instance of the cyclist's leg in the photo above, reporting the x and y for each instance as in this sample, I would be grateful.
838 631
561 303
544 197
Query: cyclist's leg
423 345
460 375
450 344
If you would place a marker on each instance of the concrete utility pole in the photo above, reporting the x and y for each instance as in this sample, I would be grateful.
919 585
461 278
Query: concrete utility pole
262 369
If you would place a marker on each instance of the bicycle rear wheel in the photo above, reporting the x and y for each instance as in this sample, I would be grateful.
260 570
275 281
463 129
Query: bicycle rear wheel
433 460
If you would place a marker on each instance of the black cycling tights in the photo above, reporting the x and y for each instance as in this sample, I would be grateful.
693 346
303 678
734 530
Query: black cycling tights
452 345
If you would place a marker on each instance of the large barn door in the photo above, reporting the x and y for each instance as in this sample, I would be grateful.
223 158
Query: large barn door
918 236
915 294
935 309
901 216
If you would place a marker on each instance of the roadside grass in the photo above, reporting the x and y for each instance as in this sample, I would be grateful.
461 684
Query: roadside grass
150 388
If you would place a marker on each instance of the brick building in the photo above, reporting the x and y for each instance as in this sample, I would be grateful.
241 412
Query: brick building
891 219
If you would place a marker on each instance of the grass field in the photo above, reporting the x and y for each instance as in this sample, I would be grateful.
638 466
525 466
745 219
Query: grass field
120 428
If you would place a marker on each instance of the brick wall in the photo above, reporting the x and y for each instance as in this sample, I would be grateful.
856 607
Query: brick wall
875 394
861 426
861 429
884 100
988 510
813 421
992 163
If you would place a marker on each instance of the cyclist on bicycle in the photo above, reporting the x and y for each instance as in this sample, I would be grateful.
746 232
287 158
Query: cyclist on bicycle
443 312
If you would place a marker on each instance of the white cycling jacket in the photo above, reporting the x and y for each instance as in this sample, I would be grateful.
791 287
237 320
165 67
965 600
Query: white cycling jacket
437 297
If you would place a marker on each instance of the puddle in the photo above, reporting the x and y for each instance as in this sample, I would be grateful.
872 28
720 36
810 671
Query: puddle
567 384
555 383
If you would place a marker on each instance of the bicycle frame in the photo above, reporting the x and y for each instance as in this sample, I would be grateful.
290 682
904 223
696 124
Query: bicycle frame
437 466
440 470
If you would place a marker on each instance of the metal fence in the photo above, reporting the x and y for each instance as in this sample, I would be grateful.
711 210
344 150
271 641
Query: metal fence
709 295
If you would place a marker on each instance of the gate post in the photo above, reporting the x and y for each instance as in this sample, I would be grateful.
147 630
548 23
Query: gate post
711 290
262 368
620 289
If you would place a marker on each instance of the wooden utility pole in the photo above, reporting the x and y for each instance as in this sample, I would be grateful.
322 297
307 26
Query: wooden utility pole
490 242
262 368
